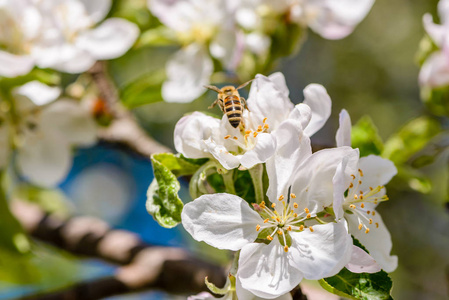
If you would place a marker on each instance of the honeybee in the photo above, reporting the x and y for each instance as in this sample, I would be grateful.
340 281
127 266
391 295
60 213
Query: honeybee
230 102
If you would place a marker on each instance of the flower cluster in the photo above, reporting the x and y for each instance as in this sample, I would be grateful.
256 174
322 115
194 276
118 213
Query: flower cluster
60 35
314 201
236 34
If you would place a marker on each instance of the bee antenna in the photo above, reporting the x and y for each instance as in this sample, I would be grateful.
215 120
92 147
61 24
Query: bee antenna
244 84
213 88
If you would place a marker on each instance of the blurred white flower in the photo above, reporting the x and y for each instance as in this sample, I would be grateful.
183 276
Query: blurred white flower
435 70
60 35
43 135
204 28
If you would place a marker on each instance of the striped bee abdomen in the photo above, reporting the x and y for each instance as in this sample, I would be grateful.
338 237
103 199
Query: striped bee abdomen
232 107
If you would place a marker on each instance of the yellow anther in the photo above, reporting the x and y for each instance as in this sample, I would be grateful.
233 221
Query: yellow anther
353 176
356 197
295 205
361 173
246 136
293 196
266 220
308 216
361 197
362 205
295 215
367 230
286 248
266 126
235 138
269 237
281 197
278 219
373 213
360 226
306 210
273 205
352 206
259 128
301 228
257 227
371 188
371 221
248 132
368 212
361 192
264 120
289 228
377 225
280 232
351 185
311 228
255 134
227 137
360 182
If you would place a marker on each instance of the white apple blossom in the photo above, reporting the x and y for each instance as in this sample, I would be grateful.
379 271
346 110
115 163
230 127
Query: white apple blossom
294 246
43 132
330 19
435 70
357 196
198 135
204 28
60 34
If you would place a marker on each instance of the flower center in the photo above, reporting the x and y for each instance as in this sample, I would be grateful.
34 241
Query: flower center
248 139
356 199
281 219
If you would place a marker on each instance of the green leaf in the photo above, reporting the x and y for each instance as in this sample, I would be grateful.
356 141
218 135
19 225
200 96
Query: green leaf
244 186
178 164
364 136
159 36
163 202
144 90
376 286
410 139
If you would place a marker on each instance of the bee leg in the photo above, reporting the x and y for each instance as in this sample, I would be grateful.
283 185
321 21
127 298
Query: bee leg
244 103
213 104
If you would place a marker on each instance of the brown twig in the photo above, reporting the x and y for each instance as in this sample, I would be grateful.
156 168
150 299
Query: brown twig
144 266
124 129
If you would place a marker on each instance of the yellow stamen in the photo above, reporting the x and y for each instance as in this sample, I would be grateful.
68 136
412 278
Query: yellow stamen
248 132
306 210
295 205
351 185
377 225
308 216
352 206
286 248
280 232
373 213
361 204
289 228
356 197
353 176
257 227
266 220
295 215
361 173
264 120
281 197
293 196
266 126
360 182
227 137
371 221
273 205
368 212
367 230
311 228
255 134
360 226
235 138
269 237
259 128
301 228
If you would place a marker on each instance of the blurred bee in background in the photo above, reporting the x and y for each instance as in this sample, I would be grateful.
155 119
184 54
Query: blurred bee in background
230 102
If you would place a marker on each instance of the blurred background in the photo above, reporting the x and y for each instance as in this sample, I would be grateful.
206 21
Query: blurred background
372 72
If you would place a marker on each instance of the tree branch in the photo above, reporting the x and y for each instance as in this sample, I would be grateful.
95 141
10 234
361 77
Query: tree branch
144 266
124 130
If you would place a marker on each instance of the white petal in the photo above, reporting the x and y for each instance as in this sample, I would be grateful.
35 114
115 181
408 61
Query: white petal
243 294
98 9
316 97
228 48
435 70
44 159
292 147
266 100
187 73
202 296
38 92
337 19
267 270
313 183
15 65
343 136
113 38
340 183
223 221
302 113
279 81
264 149
436 32
323 252
191 131
362 262
68 119
221 153
257 43
377 171
65 58
377 241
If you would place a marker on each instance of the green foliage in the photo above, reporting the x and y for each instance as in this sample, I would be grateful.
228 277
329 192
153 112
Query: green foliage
376 286
48 77
436 100
410 139
163 202
364 136
51 200
244 187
